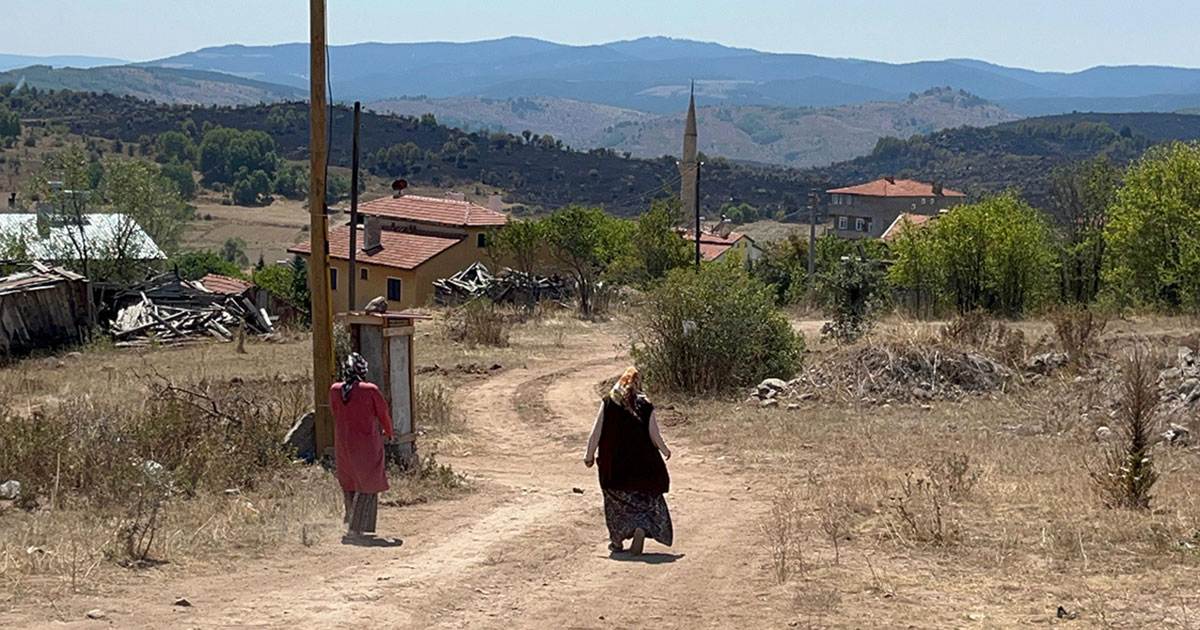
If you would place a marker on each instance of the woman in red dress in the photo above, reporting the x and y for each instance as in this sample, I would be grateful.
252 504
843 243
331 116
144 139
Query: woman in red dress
360 415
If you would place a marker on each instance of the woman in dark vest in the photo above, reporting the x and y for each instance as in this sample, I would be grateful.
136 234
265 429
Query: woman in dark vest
633 476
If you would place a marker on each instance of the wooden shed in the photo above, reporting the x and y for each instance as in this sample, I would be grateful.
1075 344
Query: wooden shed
42 307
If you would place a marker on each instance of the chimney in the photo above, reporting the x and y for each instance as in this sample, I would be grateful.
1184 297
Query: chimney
889 179
937 188
456 196
495 203
371 235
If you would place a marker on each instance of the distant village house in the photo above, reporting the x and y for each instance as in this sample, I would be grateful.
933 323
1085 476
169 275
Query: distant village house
405 243
871 209
720 244
109 237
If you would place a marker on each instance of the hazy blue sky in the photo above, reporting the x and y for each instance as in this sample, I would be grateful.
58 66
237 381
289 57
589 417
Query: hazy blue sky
1038 34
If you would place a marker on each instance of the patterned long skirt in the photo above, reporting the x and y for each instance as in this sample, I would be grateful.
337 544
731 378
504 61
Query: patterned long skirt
361 510
626 511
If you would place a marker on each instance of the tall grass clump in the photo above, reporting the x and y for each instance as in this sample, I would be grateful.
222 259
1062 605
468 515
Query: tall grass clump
1127 474
712 331
478 323
1078 331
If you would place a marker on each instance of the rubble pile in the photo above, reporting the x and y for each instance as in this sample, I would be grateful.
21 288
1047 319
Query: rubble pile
887 373
510 286
169 310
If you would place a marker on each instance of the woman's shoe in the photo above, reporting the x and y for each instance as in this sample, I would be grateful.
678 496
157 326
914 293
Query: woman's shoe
639 539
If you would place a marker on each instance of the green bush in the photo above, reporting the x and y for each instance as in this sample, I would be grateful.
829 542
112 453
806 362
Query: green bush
713 331
853 292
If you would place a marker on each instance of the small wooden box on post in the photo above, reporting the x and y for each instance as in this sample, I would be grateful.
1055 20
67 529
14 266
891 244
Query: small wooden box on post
385 340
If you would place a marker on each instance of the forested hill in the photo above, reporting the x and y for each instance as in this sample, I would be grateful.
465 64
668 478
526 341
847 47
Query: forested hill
1020 155
541 171
536 171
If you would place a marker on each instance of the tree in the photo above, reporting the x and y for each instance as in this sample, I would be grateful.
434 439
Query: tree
784 268
175 146
519 241
1153 230
225 152
656 240
996 255
196 265
251 189
139 191
291 181
65 183
917 267
1080 196
10 124
181 176
234 250
585 241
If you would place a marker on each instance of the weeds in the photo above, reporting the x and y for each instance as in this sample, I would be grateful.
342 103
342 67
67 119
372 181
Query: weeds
1127 473
1078 331
478 323
978 331
783 530
434 406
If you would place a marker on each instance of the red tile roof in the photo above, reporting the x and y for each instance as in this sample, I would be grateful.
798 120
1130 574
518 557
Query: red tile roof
400 250
712 251
894 188
893 231
224 284
433 210
716 239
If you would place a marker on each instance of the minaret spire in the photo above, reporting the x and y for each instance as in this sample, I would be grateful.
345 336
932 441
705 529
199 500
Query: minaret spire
689 173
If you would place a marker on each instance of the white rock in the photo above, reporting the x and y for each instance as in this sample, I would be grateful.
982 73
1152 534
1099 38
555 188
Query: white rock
10 489
768 403
95 613
1103 433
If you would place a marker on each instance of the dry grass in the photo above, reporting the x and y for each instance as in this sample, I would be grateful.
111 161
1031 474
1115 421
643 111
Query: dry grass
923 515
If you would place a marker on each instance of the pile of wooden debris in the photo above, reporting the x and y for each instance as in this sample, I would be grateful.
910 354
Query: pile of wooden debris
510 286
169 310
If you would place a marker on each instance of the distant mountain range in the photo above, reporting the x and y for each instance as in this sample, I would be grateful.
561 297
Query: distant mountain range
165 85
652 74
8 62
789 136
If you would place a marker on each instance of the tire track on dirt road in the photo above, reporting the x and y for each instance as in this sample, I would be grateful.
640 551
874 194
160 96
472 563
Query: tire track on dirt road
525 551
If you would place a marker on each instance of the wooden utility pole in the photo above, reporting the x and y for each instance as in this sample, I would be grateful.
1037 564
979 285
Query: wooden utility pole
697 209
352 281
812 237
318 260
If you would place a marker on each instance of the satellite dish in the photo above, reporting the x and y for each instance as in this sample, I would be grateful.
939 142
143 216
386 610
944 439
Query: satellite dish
399 184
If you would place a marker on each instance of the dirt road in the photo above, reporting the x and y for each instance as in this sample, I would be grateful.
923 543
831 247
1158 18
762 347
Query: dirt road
525 551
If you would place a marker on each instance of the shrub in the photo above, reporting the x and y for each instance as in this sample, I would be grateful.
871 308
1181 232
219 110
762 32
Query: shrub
435 406
713 331
853 294
478 323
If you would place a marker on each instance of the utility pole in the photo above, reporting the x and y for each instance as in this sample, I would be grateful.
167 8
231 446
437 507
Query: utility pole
318 267
812 237
697 204
352 281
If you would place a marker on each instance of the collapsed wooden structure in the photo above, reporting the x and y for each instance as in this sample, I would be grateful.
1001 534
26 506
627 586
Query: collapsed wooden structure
42 307
510 286
169 310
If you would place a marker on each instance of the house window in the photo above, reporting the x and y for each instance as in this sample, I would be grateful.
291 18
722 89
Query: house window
859 224
394 289
841 223
362 274
481 239
333 278
922 201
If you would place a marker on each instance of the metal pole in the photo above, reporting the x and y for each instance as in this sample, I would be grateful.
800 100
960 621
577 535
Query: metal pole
352 281
697 204
318 275
812 237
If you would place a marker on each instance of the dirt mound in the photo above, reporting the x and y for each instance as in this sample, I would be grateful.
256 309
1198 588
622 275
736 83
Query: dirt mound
902 372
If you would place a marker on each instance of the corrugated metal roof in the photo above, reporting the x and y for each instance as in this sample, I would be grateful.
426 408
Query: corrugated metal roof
107 235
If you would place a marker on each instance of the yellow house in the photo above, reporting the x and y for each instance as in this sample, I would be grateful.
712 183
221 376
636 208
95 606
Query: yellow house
406 242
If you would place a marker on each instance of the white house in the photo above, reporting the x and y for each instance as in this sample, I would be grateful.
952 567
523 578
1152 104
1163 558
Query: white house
107 236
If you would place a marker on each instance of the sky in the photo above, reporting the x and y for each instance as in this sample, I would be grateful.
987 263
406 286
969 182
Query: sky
1061 35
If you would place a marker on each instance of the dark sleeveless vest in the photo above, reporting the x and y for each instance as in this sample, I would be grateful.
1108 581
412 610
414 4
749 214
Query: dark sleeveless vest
628 459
